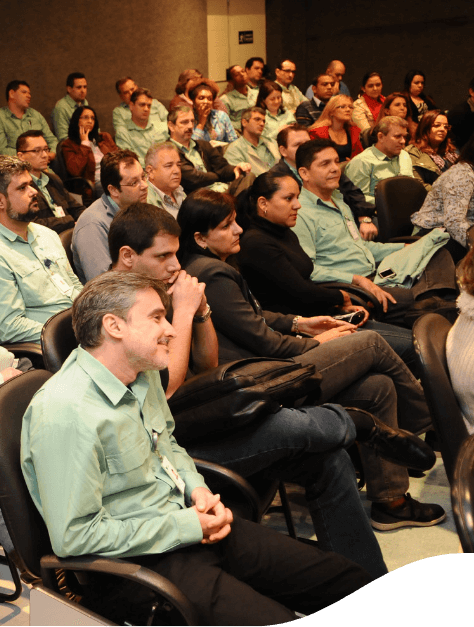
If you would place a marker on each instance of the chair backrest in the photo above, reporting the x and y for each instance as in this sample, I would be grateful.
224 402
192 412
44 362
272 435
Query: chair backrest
462 495
396 199
366 138
60 164
66 241
429 337
58 340
24 523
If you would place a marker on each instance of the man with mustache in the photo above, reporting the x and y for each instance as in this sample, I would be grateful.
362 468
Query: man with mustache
35 276
164 177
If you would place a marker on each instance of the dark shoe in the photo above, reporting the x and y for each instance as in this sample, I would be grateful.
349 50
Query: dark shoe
396 445
410 514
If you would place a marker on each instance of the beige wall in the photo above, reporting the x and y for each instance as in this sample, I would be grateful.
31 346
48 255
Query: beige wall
152 40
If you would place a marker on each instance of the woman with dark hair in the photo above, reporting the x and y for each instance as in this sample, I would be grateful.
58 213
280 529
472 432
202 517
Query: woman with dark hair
182 91
270 99
210 124
433 152
85 146
450 203
354 365
335 123
394 104
418 102
369 102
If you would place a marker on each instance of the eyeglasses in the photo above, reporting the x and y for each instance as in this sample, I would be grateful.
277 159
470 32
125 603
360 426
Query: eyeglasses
37 151
143 179
447 127
344 107
289 71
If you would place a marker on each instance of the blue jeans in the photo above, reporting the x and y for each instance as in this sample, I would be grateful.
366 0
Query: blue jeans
398 338
306 446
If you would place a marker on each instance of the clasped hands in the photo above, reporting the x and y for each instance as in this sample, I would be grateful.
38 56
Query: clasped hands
215 519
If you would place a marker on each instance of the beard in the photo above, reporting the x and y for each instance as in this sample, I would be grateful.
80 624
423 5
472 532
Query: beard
28 216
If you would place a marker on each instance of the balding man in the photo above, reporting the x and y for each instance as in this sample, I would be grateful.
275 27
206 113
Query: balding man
162 165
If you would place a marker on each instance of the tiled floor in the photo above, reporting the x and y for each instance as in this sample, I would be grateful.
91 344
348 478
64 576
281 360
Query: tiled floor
399 547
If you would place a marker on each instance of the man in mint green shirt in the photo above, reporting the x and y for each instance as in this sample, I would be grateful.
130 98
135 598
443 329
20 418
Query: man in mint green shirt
162 165
240 98
328 234
122 114
251 147
35 276
139 133
108 477
18 117
76 85
384 159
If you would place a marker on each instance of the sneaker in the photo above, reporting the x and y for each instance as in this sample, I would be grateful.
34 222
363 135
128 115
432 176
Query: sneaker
410 514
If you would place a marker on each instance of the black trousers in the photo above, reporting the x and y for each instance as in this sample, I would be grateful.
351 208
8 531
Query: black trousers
257 576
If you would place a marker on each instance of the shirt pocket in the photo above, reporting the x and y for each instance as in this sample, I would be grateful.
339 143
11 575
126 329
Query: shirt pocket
128 461
33 282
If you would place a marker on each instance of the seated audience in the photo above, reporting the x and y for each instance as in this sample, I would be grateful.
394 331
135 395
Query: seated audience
144 239
37 280
240 97
58 209
85 146
369 101
450 203
210 235
460 343
308 112
396 104
76 86
461 118
252 147
418 102
284 76
210 124
18 117
162 166
201 164
336 69
109 394
269 99
254 68
335 123
124 182
289 139
278 270
122 114
328 235
432 153
139 133
386 158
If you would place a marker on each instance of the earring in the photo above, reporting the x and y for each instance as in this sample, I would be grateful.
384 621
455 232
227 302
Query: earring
265 212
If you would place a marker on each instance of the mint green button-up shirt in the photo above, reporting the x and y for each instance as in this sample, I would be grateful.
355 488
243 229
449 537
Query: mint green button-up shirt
62 114
132 137
261 157
89 462
158 115
160 199
325 233
12 127
274 123
236 104
371 166
292 97
28 294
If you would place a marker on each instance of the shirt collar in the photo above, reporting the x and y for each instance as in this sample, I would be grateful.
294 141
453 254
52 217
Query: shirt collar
40 181
108 383
110 204
294 170
192 145
130 124
12 237
179 191
27 113
283 87
382 156
72 103
316 200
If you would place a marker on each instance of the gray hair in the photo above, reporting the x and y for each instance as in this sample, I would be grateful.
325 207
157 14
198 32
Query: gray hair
10 167
247 114
173 114
109 293
387 122
156 148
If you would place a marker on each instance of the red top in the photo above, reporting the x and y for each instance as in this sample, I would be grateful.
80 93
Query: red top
354 132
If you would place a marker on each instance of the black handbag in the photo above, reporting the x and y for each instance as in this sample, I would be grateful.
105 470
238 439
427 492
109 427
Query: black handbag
235 394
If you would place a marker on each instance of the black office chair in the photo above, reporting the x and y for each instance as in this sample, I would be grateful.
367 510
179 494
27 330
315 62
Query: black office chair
31 547
396 199
429 338
66 241
462 494
366 138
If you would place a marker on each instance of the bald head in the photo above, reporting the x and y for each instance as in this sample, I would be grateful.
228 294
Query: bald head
336 69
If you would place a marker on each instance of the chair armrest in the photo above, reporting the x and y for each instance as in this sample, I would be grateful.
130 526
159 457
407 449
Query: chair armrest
125 569
24 347
359 296
233 479
404 239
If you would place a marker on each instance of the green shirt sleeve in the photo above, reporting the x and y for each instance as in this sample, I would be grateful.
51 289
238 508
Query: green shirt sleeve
360 172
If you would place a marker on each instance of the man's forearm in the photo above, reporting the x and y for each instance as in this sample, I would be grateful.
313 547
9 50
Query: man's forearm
205 347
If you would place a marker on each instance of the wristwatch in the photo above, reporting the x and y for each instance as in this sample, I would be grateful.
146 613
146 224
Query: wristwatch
365 220
205 317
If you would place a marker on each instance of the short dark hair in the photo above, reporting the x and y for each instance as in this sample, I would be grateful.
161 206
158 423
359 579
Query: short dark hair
471 83
137 226
73 131
120 82
110 168
282 137
201 212
306 152
140 91
318 76
14 85
250 62
409 76
228 72
368 75
72 77
109 293
22 140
